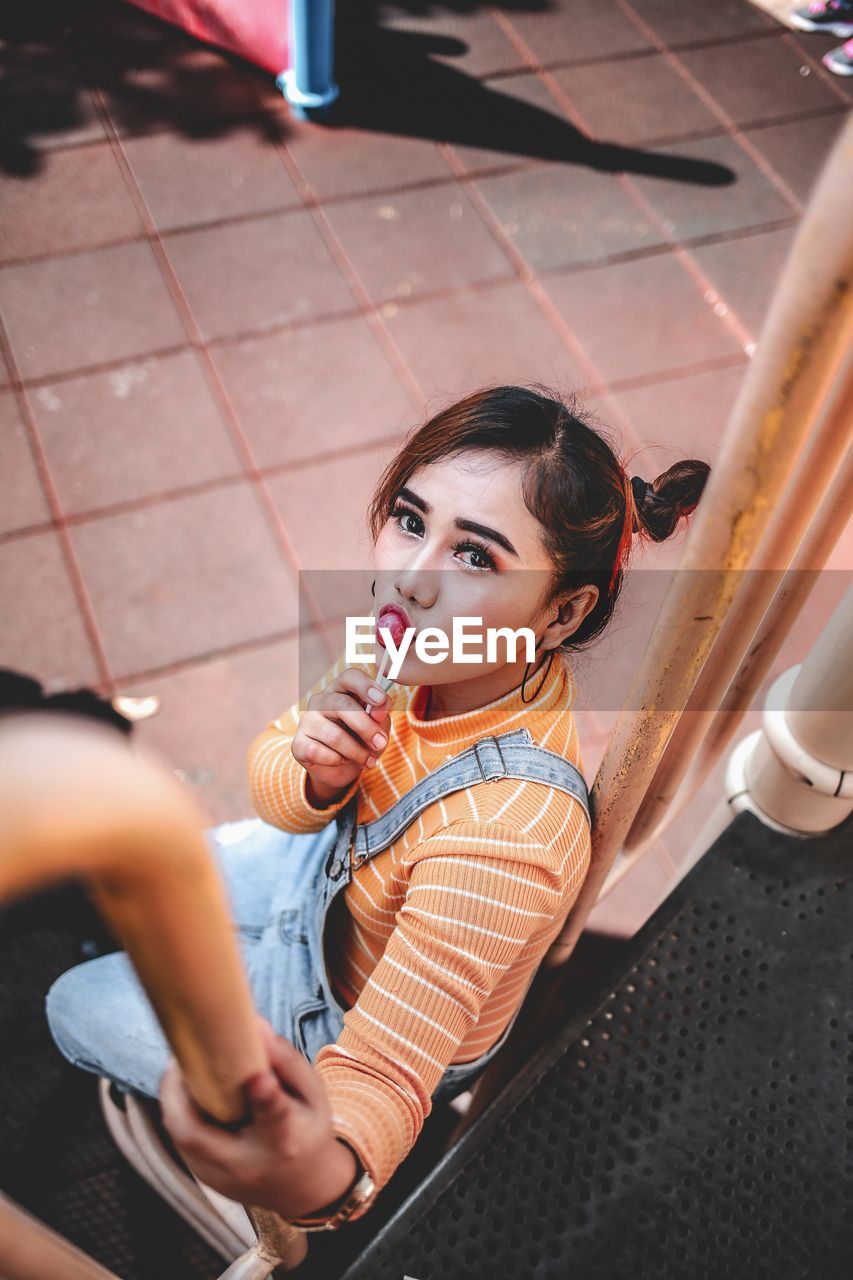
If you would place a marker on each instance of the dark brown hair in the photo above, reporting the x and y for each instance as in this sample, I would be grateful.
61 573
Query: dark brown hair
573 483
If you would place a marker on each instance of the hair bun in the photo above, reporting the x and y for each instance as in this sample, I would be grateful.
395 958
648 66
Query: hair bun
660 504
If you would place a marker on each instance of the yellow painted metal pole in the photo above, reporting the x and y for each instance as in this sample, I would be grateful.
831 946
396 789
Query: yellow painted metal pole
799 508
790 598
801 351
828 526
78 800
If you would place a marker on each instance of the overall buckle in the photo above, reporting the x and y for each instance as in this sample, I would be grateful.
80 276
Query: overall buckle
491 776
356 859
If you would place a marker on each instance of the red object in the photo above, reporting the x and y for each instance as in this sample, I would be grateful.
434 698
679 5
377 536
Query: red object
394 623
255 29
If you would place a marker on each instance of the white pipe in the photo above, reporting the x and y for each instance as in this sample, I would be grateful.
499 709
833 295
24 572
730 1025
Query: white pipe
797 772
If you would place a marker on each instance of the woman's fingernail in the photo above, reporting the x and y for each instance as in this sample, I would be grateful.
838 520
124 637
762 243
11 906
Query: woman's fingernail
375 695
371 761
379 739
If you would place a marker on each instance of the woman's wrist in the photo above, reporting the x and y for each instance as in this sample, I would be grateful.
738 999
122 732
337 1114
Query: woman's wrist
319 794
328 1179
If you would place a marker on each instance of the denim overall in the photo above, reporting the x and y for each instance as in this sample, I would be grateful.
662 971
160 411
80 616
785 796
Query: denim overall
509 755
281 888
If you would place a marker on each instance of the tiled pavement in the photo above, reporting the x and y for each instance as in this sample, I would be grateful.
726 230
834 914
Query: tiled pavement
217 322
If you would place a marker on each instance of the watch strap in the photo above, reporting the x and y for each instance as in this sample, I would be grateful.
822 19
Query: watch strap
333 1216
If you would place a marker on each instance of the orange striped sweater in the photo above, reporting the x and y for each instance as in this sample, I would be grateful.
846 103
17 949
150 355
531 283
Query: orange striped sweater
442 932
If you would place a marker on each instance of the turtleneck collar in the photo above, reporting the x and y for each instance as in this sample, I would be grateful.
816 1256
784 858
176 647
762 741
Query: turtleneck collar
501 716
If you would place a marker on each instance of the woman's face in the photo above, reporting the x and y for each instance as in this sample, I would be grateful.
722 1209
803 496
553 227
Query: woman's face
460 542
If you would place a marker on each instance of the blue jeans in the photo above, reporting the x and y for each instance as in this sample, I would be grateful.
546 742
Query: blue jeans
101 1019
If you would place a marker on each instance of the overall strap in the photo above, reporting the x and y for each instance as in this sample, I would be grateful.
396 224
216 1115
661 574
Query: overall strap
507 755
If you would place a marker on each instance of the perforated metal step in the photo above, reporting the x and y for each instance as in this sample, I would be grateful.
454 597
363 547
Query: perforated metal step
694 1119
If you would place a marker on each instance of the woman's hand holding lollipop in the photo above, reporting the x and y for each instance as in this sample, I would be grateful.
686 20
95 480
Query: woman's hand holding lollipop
343 730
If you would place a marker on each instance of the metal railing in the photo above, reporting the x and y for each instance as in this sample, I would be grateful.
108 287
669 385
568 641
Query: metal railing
776 500
78 800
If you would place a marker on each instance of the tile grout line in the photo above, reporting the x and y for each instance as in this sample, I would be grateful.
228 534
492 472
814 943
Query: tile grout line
495 169
527 276
825 77
155 130
636 55
712 104
103 366
251 470
129 506
427 295
59 524
639 381
105 685
229 341
236 650
685 259
616 386
705 286
365 304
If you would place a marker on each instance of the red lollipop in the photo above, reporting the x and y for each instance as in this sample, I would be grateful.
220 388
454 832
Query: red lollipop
394 623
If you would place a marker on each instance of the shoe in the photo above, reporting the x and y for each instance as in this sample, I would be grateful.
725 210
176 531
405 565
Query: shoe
840 60
832 16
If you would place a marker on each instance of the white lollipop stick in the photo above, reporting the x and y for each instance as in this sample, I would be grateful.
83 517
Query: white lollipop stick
382 681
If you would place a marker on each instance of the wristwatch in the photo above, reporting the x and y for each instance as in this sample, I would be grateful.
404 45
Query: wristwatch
357 1194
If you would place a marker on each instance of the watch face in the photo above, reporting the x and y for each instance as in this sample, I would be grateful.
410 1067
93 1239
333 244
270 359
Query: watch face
359 1195
361 1192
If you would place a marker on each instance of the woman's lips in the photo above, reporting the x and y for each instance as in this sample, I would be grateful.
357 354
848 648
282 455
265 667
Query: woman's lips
395 620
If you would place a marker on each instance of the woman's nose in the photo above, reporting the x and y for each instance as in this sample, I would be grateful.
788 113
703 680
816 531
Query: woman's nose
418 584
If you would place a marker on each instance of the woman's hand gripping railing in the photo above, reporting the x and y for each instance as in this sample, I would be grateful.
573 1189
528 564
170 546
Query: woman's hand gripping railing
78 801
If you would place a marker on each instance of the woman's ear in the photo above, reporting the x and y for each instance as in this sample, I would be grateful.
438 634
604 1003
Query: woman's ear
571 613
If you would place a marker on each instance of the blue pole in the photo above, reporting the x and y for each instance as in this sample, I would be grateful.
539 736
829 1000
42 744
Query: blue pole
308 84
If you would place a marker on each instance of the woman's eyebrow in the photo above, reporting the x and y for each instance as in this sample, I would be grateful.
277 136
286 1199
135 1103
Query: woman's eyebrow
470 526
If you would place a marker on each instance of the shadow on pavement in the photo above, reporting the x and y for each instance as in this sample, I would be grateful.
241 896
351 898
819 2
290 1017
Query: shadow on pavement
392 80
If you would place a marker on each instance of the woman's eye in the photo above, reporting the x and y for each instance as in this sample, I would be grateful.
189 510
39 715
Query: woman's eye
474 547
403 514
400 514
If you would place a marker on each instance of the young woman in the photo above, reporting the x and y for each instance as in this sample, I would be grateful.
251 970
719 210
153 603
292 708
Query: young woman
411 864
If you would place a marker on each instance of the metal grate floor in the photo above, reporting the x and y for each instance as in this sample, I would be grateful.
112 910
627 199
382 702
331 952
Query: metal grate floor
694 1118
